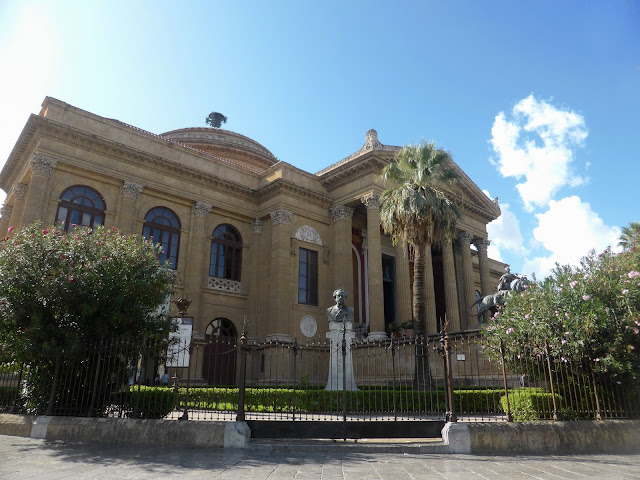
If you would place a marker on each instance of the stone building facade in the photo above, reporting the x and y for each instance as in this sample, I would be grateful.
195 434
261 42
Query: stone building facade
251 238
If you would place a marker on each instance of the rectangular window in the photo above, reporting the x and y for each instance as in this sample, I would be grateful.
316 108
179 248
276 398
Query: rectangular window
308 277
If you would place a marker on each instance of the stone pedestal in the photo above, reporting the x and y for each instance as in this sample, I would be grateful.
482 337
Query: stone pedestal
336 333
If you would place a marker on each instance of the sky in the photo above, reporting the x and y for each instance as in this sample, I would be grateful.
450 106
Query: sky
537 101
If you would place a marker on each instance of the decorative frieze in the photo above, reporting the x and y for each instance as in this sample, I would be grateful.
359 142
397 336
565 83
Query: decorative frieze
131 189
371 201
224 285
257 226
307 233
201 209
281 217
341 212
41 165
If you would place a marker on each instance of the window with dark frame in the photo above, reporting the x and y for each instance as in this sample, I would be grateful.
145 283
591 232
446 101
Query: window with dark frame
308 277
226 253
162 226
80 205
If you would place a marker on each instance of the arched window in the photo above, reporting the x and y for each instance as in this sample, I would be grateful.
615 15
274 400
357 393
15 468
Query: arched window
226 253
80 205
163 225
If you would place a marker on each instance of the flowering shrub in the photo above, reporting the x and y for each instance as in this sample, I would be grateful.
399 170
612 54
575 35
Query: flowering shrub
586 315
60 291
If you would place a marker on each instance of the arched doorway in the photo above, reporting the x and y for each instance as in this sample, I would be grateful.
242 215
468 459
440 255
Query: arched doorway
219 363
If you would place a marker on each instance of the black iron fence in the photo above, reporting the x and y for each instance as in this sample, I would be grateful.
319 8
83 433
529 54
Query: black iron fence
443 377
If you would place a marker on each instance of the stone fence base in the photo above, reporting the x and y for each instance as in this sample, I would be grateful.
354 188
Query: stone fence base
543 438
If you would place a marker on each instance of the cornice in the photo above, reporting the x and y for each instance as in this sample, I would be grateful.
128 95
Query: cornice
24 144
354 169
157 164
281 186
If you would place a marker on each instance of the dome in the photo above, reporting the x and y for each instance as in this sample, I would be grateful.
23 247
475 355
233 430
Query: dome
225 144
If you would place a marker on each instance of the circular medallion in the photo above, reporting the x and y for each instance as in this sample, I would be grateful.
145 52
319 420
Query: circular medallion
308 326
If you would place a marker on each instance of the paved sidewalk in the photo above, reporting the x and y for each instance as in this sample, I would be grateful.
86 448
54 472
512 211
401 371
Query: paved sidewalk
24 458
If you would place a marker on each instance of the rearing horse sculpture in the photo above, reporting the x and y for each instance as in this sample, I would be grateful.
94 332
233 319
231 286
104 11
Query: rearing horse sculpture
509 282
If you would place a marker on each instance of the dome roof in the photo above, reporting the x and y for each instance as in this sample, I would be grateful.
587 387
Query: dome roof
225 144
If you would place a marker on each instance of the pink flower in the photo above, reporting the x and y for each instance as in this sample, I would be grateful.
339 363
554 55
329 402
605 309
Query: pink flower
625 291
573 284
527 316
585 297
509 330
636 331
10 229
596 360
563 341
633 274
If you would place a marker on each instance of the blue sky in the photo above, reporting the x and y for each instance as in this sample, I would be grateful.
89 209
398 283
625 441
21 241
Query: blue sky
538 102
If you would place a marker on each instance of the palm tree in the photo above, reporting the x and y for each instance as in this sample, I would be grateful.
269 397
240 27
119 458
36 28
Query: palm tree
630 236
415 210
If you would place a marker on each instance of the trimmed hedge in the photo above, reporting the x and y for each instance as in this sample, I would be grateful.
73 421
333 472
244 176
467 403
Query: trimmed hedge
149 402
529 404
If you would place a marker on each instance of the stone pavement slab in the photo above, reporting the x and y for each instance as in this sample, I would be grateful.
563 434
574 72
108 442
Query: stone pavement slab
26 458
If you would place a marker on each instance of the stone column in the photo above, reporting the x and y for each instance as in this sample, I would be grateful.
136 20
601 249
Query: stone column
256 325
279 301
464 242
19 195
5 211
429 283
403 284
197 269
450 288
127 218
374 267
342 256
35 204
485 274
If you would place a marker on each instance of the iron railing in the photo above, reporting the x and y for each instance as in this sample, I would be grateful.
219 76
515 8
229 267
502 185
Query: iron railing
443 377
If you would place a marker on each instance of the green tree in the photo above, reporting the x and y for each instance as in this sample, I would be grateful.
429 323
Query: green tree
630 236
60 292
416 210
587 315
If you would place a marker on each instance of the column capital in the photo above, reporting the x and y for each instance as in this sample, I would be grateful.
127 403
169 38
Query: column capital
5 211
464 238
341 212
41 165
371 201
481 244
257 226
281 217
201 209
20 190
131 189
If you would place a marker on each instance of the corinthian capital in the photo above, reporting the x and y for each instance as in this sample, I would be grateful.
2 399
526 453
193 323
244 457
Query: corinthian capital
371 201
464 239
131 189
20 190
6 211
341 212
481 244
281 216
41 165
202 209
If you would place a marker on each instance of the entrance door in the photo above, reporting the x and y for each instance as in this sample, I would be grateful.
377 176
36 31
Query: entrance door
219 362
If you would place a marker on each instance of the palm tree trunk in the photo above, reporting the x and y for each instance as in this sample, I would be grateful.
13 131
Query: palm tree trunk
422 377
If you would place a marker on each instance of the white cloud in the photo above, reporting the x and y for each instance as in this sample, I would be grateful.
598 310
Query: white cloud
537 144
569 229
504 233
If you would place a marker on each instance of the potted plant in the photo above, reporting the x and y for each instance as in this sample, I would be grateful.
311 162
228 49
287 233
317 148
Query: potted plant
406 328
